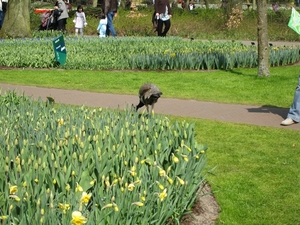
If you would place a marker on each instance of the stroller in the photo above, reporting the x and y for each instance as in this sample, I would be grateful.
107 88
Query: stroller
49 20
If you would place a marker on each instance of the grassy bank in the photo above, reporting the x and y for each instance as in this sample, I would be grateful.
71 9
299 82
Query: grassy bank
201 23
240 86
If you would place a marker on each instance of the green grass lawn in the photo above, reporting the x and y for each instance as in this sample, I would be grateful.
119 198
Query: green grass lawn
257 174
241 86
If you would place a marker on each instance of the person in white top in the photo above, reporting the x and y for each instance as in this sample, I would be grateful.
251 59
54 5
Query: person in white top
3 7
80 20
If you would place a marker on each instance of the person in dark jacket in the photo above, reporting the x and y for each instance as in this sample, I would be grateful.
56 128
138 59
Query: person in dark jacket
163 14
63 15
110 10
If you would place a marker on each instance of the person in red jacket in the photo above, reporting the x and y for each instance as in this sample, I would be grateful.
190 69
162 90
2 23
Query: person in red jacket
163 14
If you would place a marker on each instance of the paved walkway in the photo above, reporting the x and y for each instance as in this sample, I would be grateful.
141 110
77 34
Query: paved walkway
246 114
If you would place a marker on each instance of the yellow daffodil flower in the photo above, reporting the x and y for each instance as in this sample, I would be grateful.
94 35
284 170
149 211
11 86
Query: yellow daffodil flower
161 187
170 180
68 187
15 197
3 217
85 197
13 189
78 188
78 218
64 207
107 206
163 195
174 158
180 181
92 182
140 204
130 187
162 173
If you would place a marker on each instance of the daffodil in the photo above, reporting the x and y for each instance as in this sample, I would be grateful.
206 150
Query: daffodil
15 197
78 218
180 180
64 207
3 217
140 204
85 197
174 158
161 187
78 188
170 180
61 121
92 182
163 195
13 189
107 206
68 187
130 187
162 172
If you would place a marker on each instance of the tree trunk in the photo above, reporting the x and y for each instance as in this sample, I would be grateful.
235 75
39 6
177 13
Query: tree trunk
17 19
95 3
262 32
254 4
206 4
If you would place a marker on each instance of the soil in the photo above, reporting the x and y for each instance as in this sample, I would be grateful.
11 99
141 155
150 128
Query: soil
205 211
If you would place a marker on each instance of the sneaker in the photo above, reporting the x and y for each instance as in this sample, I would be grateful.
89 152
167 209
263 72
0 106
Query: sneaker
287 122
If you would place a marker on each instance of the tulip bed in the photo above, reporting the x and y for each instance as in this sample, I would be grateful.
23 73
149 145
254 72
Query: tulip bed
150 53
77 165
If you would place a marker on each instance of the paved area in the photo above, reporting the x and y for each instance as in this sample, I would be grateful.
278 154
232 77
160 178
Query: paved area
245 114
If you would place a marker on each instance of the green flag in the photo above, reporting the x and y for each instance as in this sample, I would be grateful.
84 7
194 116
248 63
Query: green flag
60 50
294 22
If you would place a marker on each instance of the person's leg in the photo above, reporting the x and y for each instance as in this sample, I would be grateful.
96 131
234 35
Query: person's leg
61 24
294 112
110 27
1 18
159 28
167 27
76 31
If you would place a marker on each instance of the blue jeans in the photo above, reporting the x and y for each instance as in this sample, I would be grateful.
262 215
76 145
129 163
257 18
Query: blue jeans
294 112
1 18
110 27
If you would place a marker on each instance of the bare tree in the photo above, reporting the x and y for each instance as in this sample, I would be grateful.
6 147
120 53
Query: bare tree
262 32
17 19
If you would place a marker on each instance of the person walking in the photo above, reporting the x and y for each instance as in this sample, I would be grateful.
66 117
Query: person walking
80 20
102 26
62 18
163 14
3 7
110 10
294 111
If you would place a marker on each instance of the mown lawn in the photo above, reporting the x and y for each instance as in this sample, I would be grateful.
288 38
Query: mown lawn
254 171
